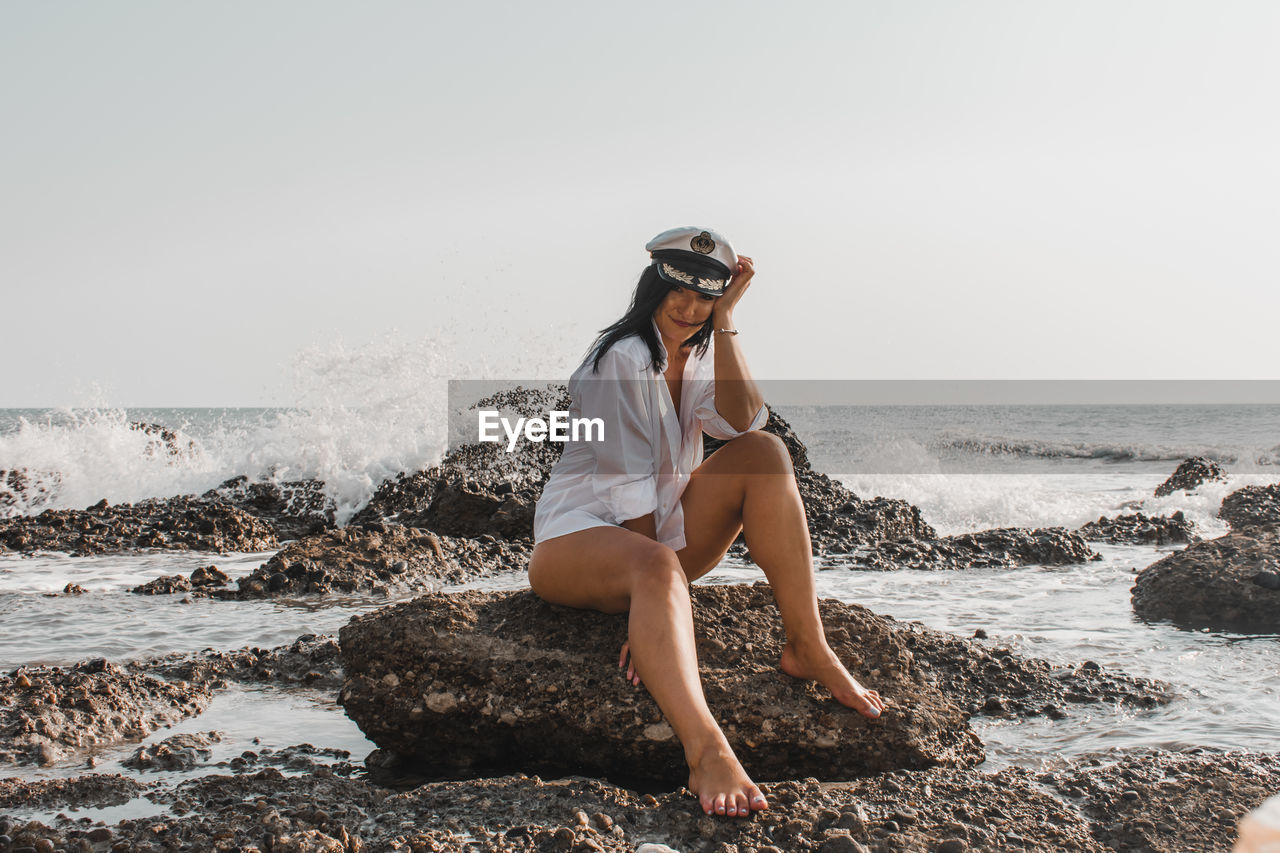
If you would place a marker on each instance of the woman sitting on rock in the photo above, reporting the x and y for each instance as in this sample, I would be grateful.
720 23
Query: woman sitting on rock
628 521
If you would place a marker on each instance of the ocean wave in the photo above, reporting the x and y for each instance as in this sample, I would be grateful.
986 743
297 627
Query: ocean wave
1105 451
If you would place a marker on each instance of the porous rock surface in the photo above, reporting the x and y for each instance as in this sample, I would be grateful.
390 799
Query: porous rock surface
995 681
1004 547
1168 802
934 810
1251 506
311 660
1231 583
476 683
295 508
47 712
205 577
175 524
96 790
1191 473
378 557
177 752
1138 529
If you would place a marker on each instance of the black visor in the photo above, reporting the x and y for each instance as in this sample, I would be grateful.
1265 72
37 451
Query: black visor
691 270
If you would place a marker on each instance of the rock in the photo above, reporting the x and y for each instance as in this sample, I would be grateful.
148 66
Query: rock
1005 547
1191 473
179 752
309 660
96 791
473 671
164 585
295 508
478 488
175 524
164 441
1251 506
982 679
378 557
1138 529
1213 584
52 710
1167 788
237 812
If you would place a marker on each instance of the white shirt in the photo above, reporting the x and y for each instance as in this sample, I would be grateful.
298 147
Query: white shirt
643 463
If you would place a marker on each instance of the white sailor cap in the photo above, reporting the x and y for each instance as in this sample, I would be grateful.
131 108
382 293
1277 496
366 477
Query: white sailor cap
697 258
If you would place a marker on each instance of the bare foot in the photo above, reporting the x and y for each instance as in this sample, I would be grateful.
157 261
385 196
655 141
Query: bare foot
624 660
824 667
722 786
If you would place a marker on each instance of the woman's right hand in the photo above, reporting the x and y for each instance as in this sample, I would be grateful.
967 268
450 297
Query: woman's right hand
624 660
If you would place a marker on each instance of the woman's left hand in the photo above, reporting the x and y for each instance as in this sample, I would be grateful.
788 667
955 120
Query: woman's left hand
723 310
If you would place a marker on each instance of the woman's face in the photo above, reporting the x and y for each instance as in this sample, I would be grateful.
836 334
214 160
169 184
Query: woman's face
682 311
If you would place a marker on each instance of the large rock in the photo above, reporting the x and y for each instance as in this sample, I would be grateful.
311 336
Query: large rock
1251 506
295 508
378 558
46 712
477 489
1139 529
1004 547
175 524
1231 583
1191 473
475 683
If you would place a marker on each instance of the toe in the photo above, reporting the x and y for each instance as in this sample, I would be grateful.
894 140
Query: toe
707 805
757 798
720 806
740 800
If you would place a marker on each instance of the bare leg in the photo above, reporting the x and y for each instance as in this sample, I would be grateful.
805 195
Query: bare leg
615 570
749 485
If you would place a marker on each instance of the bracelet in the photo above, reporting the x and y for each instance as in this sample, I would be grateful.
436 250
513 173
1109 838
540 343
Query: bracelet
726 331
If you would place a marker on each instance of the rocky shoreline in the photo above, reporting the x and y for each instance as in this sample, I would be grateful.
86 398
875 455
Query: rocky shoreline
442 684
1122 801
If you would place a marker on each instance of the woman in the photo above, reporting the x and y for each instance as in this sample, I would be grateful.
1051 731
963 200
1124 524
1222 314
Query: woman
627 522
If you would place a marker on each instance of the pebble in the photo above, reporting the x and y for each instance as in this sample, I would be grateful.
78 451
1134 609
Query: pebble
952 845
841 844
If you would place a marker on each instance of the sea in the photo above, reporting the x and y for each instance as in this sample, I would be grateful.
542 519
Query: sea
966 466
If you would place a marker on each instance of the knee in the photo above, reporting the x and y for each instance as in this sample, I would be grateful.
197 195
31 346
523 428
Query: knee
765 449
657 566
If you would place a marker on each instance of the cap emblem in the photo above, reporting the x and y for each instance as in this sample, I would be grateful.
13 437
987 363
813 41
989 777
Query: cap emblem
703 244
712 284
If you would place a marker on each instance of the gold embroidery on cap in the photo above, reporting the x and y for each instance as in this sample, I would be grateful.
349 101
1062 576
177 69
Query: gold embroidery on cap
716 284
703 244
677 274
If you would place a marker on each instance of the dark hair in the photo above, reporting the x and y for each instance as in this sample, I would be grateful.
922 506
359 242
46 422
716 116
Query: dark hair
651 289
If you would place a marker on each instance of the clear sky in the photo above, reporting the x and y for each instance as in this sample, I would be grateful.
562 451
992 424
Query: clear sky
194 196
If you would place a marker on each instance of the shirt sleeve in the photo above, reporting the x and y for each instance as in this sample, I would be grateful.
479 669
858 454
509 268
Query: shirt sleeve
625 478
